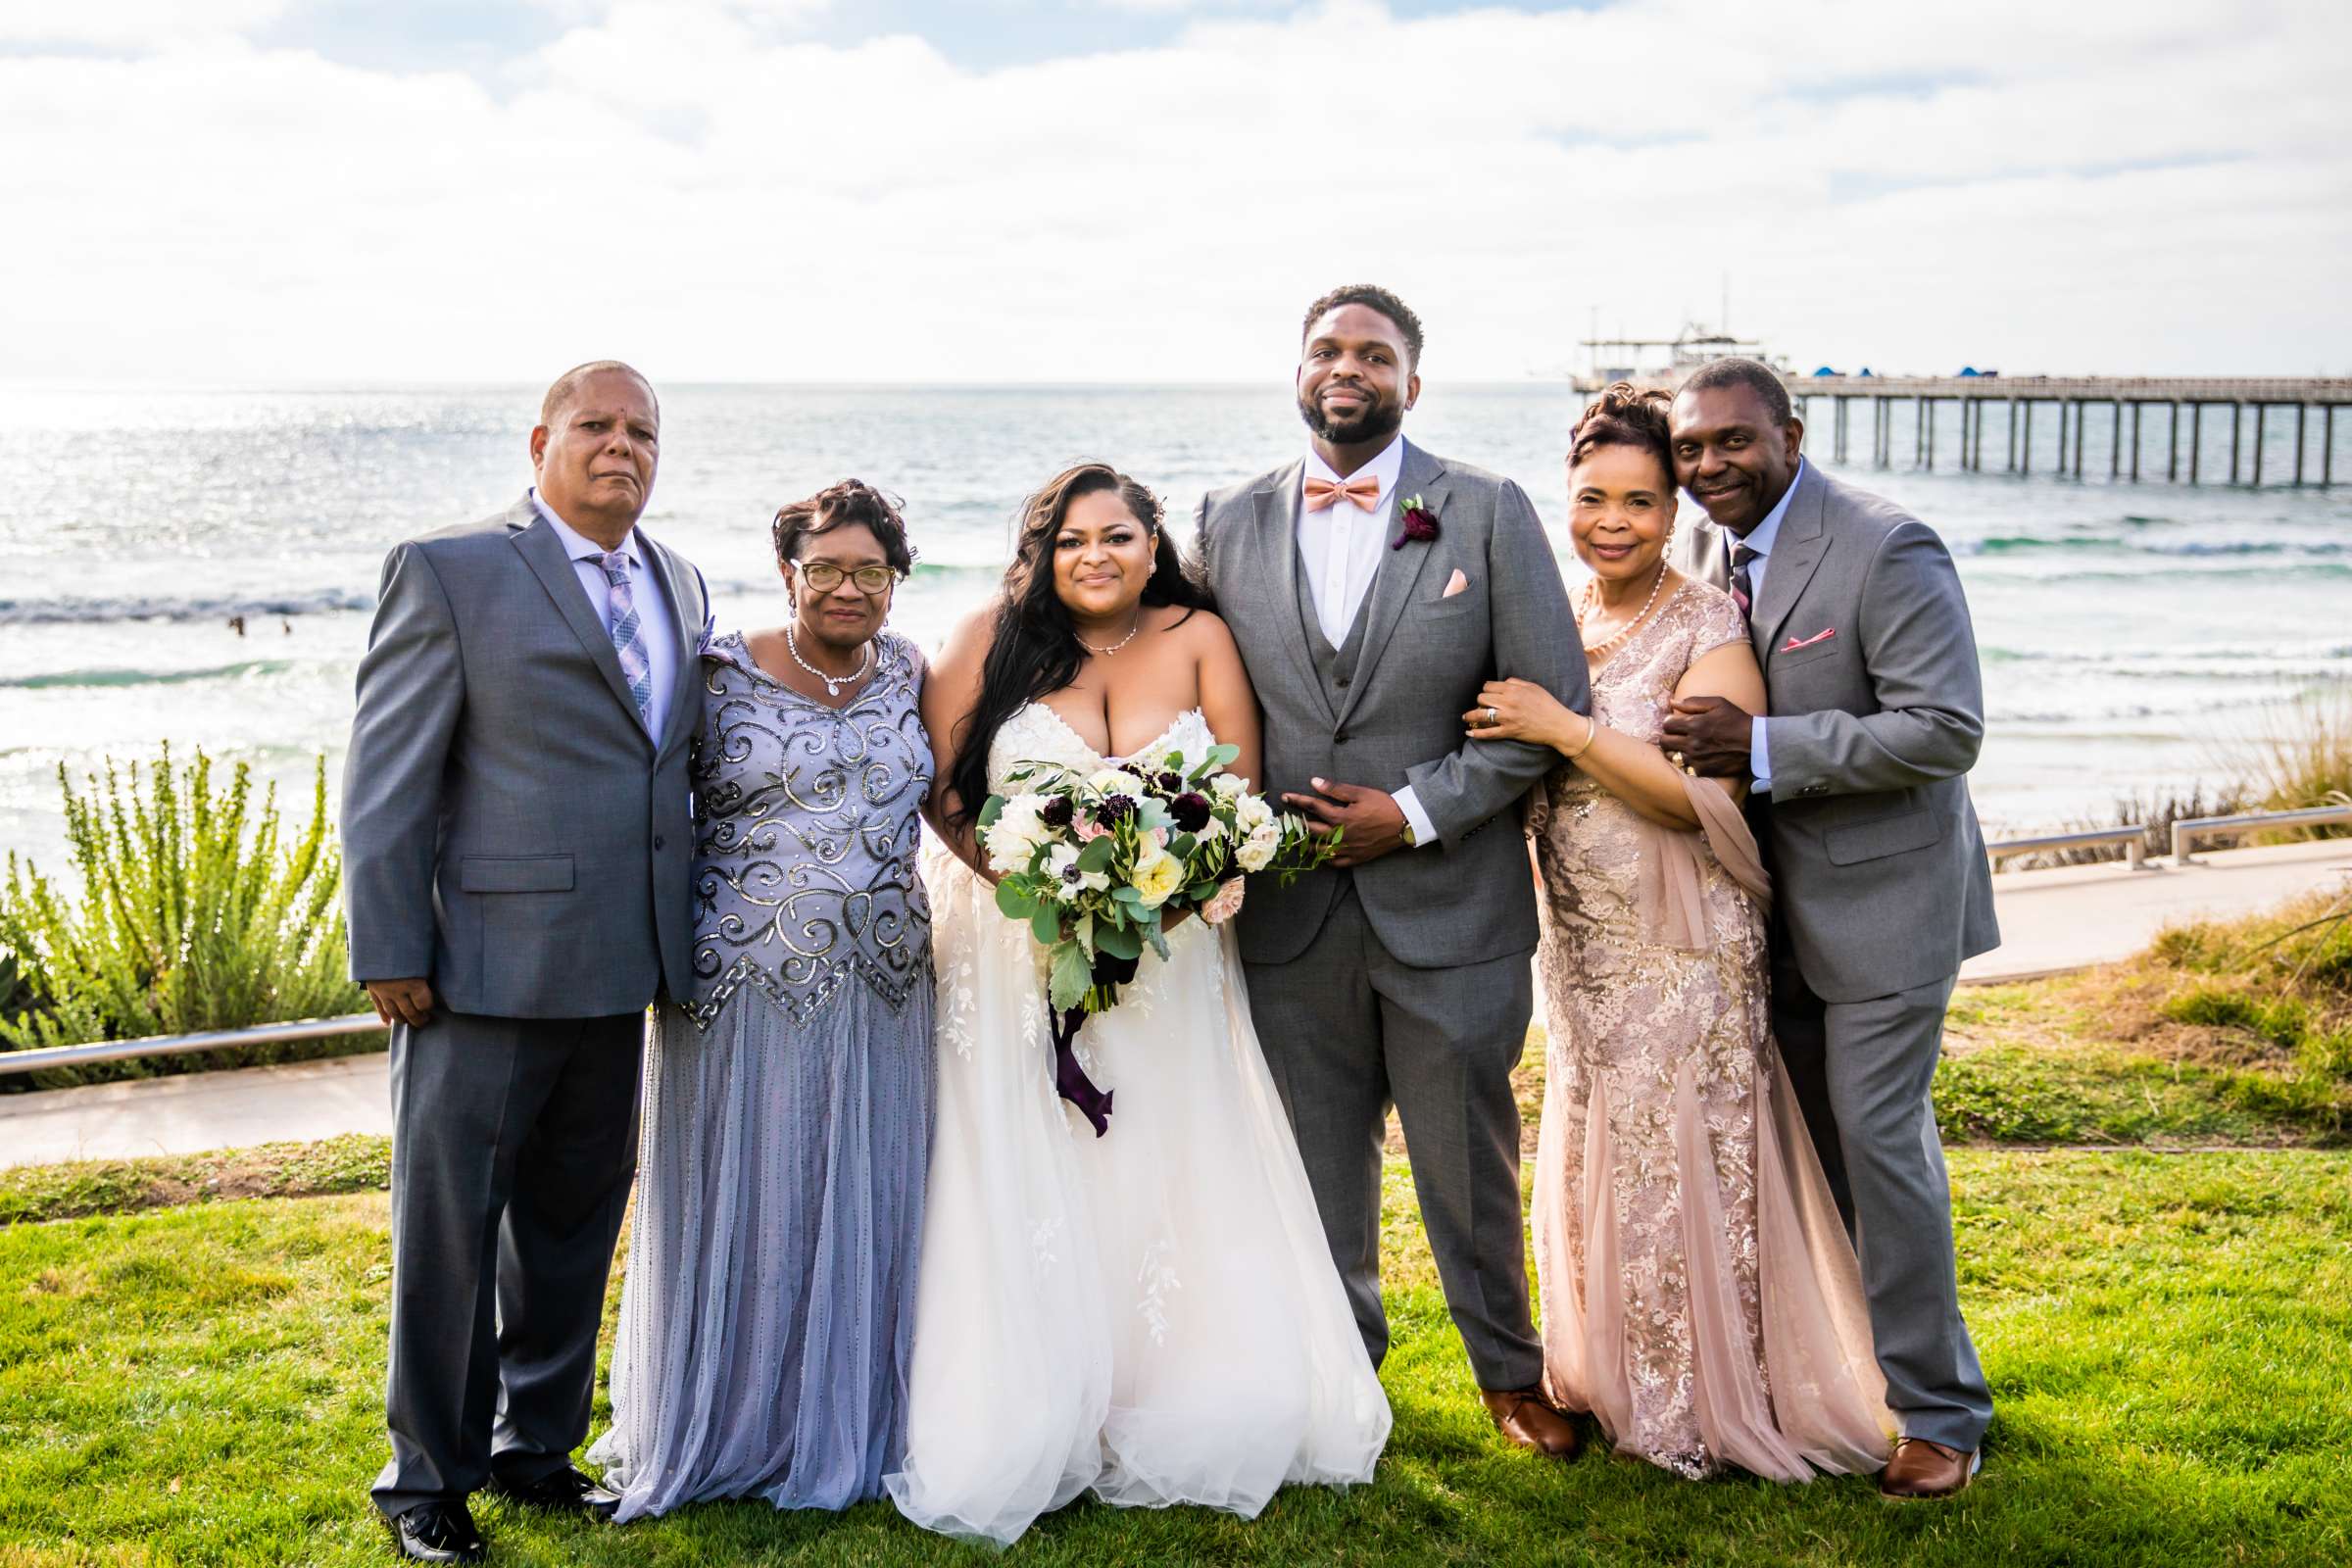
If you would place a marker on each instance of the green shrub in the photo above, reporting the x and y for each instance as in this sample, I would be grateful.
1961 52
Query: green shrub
195 911
2286 979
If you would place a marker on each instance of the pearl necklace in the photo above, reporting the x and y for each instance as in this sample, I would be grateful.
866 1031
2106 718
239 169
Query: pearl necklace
1592 601
833 683
1105 652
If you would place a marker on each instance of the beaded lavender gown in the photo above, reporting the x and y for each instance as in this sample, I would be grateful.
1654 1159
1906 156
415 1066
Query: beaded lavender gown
1699 1295
768 1312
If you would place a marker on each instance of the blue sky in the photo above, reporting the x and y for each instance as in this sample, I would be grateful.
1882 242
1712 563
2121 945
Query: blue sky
1148 189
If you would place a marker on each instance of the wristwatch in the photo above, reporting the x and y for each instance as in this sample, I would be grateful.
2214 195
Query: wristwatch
1412 840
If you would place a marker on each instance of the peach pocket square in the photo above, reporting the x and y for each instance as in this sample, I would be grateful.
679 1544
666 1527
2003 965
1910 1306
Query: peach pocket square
1822 636
1454 584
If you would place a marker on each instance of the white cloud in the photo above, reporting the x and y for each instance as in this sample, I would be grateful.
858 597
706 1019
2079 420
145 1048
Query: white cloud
138 25
2107 187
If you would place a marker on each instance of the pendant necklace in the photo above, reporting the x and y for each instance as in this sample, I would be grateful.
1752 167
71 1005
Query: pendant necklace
833 683
1105 652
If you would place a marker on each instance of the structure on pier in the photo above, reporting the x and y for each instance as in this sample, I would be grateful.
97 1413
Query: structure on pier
2075 398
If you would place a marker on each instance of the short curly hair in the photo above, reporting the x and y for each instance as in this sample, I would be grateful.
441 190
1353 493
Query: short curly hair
851 503
1373 297
1757 376
1625 415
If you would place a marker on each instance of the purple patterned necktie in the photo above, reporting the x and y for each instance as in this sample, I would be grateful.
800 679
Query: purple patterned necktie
1743 591
622 609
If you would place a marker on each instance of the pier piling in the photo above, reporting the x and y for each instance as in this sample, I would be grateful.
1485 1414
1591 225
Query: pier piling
2261 421
2136 409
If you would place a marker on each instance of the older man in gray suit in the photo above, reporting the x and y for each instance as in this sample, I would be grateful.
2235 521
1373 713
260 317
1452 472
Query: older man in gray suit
517 830
1876 713
1373 588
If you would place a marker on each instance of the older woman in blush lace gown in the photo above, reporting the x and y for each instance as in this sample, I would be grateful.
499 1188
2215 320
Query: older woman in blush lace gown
1699 1295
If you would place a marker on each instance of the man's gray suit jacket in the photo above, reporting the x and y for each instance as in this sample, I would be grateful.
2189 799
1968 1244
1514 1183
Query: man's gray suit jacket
511 832
1398 720
1877 714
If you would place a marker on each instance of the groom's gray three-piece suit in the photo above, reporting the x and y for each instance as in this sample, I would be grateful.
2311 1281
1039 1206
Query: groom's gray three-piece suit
1407 980
1881 888
513 835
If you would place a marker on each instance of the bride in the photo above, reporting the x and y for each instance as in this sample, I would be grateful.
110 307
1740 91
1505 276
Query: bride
1150 1315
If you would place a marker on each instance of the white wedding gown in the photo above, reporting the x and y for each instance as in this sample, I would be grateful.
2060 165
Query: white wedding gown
1151 1315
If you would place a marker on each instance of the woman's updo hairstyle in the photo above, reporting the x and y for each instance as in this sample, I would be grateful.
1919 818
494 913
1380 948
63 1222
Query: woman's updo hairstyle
1624 415
851 503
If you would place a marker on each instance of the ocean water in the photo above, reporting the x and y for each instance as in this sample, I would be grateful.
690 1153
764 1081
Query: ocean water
2133 635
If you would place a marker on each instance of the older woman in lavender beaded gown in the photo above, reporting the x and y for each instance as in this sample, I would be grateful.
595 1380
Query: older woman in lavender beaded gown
1699 1296
768 1312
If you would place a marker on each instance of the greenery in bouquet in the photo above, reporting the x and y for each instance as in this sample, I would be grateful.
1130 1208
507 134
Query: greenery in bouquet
1097 863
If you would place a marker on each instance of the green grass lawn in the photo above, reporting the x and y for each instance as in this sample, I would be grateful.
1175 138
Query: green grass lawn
2169 1337
191 1351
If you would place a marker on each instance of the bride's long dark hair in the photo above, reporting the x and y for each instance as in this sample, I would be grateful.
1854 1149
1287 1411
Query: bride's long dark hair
1034 648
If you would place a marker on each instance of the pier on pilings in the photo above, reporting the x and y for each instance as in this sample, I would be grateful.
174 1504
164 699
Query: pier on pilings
2128 437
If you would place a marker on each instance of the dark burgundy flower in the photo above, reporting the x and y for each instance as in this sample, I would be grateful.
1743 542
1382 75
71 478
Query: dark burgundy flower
1058 812
1111 813
1190 812
1420 524
1170 783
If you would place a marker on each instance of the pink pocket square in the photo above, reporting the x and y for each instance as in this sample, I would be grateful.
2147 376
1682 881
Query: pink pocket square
1454 584
1823 636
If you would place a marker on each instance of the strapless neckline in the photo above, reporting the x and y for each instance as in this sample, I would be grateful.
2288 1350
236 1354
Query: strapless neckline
1156 743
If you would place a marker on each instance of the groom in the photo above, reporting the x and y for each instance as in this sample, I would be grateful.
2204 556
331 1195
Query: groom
516 832
1876 710
1373 588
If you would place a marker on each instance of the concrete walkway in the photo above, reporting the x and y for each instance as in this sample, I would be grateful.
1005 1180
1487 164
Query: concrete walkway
2053 922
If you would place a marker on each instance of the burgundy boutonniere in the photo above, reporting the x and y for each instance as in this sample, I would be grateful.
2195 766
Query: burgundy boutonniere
1420 523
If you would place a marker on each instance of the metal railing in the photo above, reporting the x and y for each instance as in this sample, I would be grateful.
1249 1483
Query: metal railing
260 1034
2134 839
2186 833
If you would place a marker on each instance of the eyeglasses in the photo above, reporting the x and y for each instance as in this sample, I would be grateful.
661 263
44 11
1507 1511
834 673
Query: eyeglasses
822 576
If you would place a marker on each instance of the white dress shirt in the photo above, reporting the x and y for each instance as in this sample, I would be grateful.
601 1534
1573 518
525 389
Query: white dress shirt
1760 539
1339 548
656 629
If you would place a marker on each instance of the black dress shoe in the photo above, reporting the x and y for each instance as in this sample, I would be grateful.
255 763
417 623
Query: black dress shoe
439 1532
567 1491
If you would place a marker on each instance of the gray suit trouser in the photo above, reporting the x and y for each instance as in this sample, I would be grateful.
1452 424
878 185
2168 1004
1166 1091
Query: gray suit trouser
514 1144
1348 1031
1863 1072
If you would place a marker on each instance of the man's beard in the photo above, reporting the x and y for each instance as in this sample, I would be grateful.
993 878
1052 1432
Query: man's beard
1379 418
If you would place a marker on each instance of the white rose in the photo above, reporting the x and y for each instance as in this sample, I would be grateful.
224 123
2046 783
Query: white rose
1015 834
1259 847
1228 786
1252 812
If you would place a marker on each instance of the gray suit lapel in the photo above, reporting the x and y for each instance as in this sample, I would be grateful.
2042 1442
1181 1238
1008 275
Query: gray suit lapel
1277 503
544 553
1400 572
676 725
1797 553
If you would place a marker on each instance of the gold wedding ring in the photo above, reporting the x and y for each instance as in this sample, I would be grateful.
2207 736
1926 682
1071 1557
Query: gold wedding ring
1676 757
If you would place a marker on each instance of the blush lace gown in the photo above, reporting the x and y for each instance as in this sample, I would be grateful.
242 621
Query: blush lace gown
1699 1295
1150 1316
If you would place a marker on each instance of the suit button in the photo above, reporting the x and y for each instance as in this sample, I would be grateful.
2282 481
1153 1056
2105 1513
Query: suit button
657 841
1341 738
1340 681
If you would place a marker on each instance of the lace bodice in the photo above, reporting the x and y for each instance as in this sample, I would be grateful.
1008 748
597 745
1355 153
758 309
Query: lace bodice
806 824
1038 734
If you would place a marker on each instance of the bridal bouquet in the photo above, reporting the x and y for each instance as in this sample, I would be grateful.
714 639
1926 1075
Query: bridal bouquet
1097 863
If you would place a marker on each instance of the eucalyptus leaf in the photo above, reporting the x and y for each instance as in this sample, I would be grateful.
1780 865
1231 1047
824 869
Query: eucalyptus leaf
1045 925
1119 942
1013 903
991 811
1072 975
1097 855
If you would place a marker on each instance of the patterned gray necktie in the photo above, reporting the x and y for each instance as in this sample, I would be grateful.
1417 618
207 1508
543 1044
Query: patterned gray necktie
636 664
1743 586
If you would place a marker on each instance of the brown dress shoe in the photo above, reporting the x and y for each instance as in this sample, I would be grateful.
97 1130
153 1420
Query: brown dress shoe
1924 1469
1522 1416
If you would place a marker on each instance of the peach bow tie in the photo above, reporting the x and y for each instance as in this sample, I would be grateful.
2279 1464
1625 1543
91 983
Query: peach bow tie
1363 490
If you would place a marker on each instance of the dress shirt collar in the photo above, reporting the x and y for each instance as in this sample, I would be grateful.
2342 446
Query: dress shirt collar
577 546
1760 537
1386 468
